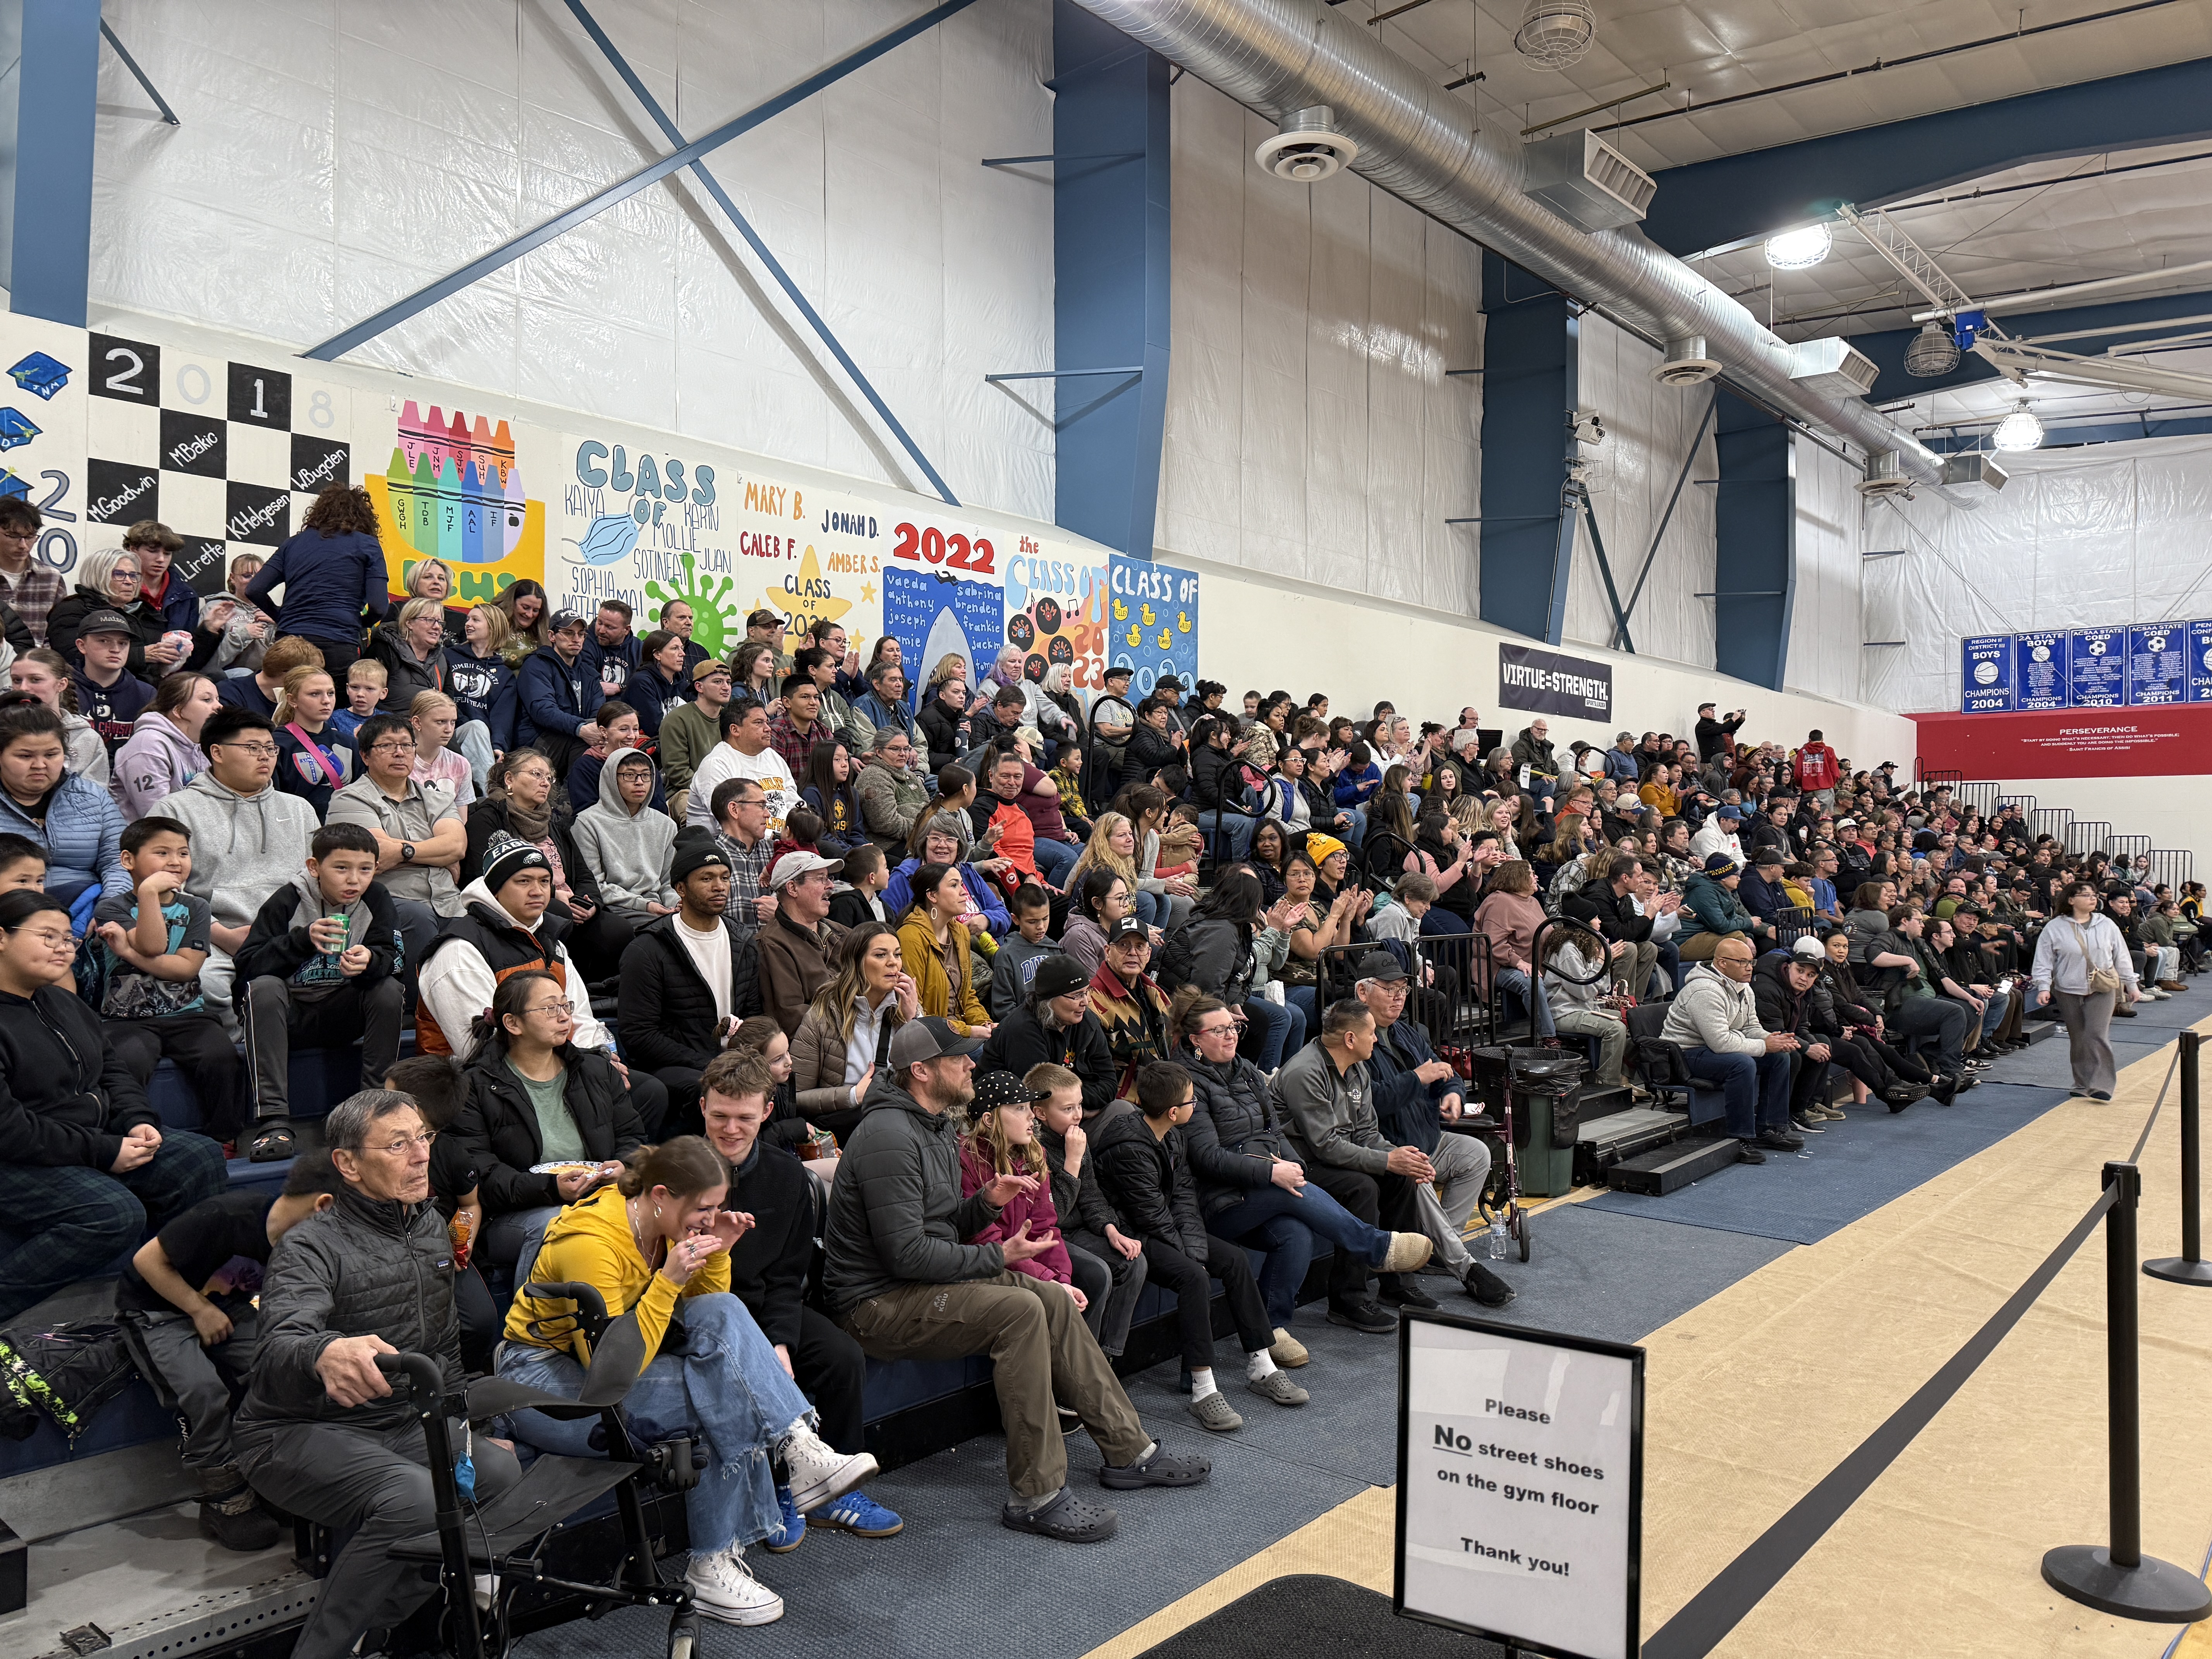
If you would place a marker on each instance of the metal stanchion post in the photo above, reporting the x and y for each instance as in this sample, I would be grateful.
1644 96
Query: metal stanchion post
2189 1267
2121 1580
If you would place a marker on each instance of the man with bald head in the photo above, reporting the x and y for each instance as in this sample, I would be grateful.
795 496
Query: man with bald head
1714 1018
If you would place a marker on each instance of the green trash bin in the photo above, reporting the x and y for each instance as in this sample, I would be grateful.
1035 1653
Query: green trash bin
1546 1170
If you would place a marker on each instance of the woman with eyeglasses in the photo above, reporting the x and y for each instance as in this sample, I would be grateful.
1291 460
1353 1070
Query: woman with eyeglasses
545 1122
85 1165
105 581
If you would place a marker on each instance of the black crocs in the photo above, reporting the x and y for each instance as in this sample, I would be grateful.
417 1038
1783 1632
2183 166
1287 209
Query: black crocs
1067 1518
273 1144
1160 1469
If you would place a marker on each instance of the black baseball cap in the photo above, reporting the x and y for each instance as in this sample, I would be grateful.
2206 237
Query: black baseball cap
1380 964
106 622
1128 927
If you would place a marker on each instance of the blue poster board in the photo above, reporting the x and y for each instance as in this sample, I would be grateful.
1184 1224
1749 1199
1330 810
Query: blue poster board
2038 677
2097 667
2200 662
1152 622
931 613
2158 664
1985 677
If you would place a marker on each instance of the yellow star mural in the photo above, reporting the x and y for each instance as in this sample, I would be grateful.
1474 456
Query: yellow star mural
868 592
812 603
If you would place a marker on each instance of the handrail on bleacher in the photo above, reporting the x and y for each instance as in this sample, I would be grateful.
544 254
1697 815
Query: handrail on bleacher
2050 821
2088 835
2131 847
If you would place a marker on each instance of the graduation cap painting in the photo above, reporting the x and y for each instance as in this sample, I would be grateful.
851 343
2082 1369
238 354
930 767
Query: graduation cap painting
15 428
41 374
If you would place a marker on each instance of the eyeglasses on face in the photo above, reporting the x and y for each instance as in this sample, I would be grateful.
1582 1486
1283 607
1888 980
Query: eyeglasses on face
403 1146
393 746
259 750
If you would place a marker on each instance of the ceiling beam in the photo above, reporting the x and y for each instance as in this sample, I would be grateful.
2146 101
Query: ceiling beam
2091 328
1732 198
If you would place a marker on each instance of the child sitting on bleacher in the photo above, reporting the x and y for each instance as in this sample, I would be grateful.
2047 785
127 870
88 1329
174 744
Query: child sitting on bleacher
150 947
22 864
321 964
367 681
199 1334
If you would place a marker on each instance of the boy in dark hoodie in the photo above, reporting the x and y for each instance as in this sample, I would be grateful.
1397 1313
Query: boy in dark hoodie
321 964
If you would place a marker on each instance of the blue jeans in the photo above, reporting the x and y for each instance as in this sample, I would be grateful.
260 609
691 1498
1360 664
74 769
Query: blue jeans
71 1221
1236 830
1755 1088
1285 1224
1150 908
1271 1032
1670 964
1055 859
1993 1013
729 1386
1306 999
1354 832
1515 980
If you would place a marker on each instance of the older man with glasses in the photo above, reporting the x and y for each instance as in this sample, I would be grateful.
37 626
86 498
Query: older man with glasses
1714 1020
323 1433
420 839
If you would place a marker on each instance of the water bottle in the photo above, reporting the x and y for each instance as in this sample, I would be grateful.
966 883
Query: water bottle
1497 1240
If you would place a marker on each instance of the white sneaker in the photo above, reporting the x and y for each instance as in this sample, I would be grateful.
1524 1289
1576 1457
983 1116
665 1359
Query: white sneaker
723 1586
817 1473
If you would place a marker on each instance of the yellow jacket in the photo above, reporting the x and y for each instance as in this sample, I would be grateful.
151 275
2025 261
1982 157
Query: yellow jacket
951 995
591 1242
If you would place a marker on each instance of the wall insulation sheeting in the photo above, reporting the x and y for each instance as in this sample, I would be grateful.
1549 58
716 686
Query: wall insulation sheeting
1311 429
1825 644
1648 431
334 158
2078 538
1431 665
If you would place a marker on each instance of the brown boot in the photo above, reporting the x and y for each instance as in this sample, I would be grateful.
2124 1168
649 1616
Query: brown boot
2171 986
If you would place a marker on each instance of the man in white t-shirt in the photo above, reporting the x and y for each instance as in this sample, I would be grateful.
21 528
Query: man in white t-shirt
746 753
687 981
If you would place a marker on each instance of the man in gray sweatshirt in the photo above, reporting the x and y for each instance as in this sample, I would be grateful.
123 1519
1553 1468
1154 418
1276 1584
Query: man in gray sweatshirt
1327 1096
248 840
1714 1020
630 845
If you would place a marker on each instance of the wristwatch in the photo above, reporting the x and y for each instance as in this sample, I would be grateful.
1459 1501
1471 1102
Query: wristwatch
407 851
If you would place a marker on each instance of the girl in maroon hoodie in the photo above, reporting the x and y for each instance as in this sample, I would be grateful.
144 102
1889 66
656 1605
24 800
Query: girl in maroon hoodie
1001 1140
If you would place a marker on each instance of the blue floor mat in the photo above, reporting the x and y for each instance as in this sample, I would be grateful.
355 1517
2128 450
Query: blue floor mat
1851 1171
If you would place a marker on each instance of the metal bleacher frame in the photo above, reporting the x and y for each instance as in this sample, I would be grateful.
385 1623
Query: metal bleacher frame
2131 847
2088 835
2050 821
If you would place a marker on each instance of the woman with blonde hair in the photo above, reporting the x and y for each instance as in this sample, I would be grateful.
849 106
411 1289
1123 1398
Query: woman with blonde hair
313 762
1113 846
481 685
434 715
433 578
848 1028
413 652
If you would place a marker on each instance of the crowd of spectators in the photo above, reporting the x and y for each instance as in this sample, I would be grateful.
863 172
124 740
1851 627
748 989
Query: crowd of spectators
1040 999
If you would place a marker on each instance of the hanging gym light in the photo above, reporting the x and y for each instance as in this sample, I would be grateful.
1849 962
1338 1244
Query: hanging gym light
2018 430
1799 250
1932 353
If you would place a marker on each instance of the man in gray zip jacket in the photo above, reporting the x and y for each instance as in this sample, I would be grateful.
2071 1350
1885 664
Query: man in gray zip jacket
322 1432
1327 1094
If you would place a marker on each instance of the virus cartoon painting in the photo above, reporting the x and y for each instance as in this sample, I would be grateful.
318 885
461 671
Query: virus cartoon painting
718 625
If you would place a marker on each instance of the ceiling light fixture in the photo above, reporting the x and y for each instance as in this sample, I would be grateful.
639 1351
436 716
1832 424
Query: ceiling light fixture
1799 250
2018 430
1932 352
1555 33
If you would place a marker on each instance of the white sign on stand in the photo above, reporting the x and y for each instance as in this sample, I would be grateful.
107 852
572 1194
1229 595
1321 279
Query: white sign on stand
1520 1485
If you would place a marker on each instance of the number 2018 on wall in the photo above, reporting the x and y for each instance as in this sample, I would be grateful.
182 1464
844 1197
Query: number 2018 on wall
934 546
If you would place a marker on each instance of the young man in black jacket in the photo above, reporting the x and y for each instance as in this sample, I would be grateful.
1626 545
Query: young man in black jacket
320 967
768 1266
687 981
84 1164
1145 1169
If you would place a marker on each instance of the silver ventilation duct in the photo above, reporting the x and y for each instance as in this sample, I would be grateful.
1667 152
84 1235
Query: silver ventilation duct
1280 56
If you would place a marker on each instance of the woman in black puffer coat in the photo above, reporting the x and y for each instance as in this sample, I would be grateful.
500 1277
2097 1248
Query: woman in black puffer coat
1254 1191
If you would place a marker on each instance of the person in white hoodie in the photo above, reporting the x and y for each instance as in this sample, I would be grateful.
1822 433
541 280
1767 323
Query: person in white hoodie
629 845
248 840
163 754
1714 1020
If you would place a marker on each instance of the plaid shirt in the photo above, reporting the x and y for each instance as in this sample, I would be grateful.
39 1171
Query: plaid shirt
32 594
747 879
795 746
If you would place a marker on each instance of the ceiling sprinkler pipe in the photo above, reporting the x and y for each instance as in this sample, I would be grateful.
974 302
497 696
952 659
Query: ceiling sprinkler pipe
1278 57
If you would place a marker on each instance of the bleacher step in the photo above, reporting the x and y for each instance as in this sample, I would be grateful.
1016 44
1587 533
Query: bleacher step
1669 1169
83 1491
156 1589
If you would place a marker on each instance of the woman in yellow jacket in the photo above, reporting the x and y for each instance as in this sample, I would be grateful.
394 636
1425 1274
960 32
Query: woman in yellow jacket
655 1240
934 943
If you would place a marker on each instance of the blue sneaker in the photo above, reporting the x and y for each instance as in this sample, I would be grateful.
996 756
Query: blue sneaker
859 1514
791 1531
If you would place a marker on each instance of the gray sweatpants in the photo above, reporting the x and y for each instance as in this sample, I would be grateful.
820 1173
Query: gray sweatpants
376 1485
1462 1165
2089 1036
202 1377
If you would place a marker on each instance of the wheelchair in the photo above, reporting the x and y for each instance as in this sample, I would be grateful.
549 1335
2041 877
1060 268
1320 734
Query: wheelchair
507 1536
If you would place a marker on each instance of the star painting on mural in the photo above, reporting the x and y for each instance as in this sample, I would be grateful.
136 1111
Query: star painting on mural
806 598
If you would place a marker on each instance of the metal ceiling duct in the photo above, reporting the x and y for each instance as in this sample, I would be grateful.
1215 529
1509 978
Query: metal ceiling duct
1278 57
